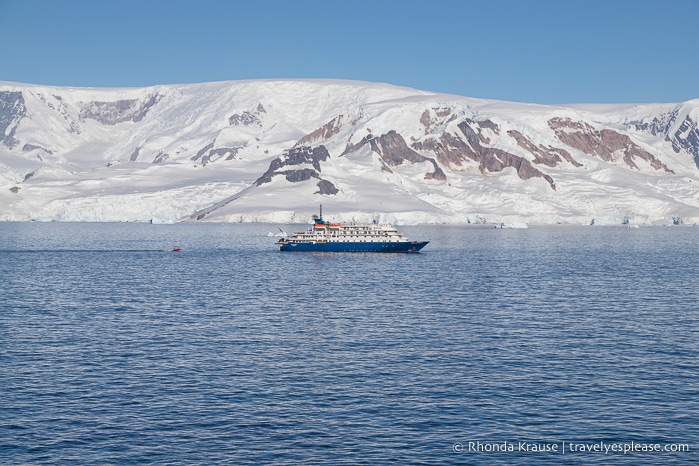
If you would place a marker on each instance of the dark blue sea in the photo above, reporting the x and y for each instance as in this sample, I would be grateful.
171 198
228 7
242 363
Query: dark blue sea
547 345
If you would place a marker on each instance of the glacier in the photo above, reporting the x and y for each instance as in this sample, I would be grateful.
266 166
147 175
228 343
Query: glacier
273 150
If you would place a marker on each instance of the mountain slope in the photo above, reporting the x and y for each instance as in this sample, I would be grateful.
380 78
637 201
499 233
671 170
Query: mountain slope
274 150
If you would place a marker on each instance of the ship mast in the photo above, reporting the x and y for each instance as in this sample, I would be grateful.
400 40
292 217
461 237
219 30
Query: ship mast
318 219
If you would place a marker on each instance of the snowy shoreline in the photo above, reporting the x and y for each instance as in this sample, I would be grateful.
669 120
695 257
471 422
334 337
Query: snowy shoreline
271 151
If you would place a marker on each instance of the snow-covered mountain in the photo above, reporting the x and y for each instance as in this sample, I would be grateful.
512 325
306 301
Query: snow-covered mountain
273 150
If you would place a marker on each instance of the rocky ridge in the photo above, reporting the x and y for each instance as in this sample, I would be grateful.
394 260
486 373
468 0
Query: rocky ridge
405 155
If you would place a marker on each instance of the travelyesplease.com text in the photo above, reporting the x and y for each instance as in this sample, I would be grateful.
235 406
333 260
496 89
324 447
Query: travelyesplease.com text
566 447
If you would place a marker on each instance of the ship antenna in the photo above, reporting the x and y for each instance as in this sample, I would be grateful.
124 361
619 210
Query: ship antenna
321 211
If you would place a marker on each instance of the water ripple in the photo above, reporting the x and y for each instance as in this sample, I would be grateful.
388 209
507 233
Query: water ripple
231 352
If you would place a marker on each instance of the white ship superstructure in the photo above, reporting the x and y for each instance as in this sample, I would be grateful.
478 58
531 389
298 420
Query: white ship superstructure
339 237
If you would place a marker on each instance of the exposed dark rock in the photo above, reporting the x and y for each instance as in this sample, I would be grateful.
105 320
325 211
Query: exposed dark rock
14 189
302 174
228 152
606 144
435 117
12 110
471 135
437 174
312 155
488 124
248 118
686 137
31 147
134 155
203 151
354 147
244 119
394 151
426 120
161 157
323 133
467 127
298 157
208 153
660 125
496 160
327 188
448 148
294 157
549 156
112 113
451 149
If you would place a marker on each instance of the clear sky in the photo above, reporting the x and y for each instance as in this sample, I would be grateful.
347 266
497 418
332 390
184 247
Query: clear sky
541 51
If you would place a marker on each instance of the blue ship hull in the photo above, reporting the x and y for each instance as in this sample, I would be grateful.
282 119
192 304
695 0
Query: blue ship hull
412 246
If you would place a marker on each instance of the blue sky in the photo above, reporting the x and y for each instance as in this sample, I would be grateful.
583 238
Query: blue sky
542 51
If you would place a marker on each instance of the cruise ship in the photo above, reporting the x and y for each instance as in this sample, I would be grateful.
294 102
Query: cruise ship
338 237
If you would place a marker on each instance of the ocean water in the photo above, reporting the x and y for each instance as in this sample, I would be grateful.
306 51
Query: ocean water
484 347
